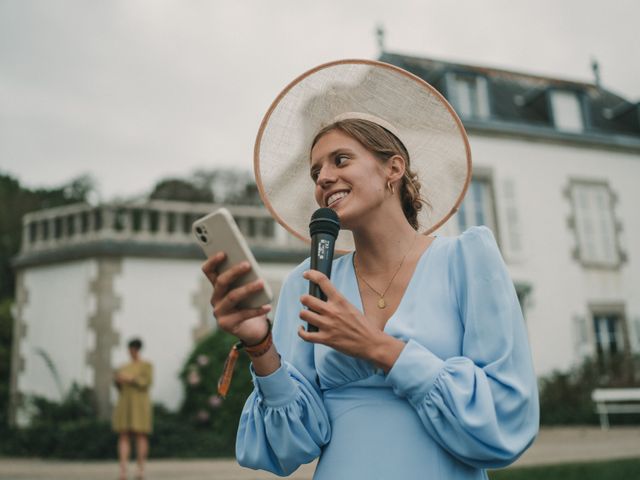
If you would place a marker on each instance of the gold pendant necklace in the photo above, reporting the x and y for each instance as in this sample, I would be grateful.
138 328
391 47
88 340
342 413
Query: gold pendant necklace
381 301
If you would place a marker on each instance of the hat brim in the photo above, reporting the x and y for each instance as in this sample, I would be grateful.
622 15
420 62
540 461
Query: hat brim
424 121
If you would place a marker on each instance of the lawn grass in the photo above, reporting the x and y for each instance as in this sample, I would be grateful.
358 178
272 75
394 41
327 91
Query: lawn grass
628 469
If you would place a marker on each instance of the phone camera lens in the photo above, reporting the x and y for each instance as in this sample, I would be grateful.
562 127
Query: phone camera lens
198 230
204 239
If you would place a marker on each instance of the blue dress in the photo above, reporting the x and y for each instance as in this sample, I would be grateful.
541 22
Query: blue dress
460 398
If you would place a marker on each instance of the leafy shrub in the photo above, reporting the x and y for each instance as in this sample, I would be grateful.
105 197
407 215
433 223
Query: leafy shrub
590 470
68 429
202 406
565 397
6 334
205 426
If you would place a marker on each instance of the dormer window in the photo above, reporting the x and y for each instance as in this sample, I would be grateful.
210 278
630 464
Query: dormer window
567 110
469 95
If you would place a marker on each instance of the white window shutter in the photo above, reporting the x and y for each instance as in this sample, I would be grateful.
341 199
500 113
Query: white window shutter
606 227
483 97
581 345
595 224
512 238
585 225
636 337
464 97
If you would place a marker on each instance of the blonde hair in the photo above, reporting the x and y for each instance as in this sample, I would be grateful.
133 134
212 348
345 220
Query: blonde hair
384 145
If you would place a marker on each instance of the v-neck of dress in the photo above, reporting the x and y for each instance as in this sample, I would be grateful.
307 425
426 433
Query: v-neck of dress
354 280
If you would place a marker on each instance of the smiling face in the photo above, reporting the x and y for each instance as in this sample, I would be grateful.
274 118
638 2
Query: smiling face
348 178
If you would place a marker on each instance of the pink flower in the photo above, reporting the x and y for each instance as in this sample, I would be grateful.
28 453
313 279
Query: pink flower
202 360
215 401
202 415
193 378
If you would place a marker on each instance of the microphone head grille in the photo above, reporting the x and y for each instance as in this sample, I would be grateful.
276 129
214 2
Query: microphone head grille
324 220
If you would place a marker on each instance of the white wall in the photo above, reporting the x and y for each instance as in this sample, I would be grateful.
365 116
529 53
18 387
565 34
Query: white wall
157 306
56 315
562 287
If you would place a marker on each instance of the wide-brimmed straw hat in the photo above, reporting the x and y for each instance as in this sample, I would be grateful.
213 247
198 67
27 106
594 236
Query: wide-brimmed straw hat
395 99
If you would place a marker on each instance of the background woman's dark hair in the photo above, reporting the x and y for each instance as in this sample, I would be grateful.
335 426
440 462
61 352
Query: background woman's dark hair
135 343
384 145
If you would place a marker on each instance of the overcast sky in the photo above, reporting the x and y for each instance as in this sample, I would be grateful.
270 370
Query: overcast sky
132 91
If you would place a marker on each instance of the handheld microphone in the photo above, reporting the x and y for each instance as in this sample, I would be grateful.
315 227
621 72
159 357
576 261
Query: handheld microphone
323 230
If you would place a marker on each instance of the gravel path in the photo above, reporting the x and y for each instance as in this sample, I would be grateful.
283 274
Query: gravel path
553 445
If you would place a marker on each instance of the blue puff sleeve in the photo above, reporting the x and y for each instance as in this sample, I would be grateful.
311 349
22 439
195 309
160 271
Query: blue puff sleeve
482 406
284 423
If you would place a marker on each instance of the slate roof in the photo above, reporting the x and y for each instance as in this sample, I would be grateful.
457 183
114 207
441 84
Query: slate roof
609 119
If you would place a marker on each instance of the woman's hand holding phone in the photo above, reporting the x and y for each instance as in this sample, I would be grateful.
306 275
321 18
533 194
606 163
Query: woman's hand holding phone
241 299
250 324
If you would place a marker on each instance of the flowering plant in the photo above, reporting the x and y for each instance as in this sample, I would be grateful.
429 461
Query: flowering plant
202 404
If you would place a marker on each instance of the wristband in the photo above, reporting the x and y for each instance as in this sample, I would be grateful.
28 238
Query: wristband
259 349
254 351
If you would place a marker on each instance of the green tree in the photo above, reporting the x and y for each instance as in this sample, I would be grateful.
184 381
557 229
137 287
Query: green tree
182 190
223 185
15 202
229 185
6 326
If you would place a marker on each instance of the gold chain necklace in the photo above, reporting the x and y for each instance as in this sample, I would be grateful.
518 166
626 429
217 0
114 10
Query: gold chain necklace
381 301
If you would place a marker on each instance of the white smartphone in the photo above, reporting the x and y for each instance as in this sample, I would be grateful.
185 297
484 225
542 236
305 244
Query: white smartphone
217 232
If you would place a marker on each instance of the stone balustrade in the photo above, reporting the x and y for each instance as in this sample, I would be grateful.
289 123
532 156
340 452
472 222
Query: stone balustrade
164 222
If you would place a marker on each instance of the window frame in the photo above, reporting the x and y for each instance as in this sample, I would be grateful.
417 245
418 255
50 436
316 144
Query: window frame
605 310
579 252
481 84
581 102
486 176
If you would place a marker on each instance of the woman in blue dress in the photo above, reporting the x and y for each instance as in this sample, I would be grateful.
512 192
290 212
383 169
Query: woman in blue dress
420 368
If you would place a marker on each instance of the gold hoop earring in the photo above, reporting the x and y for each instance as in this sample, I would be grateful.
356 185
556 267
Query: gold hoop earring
390 187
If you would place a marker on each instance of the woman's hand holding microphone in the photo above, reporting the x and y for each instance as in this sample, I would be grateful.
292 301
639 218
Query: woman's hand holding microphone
342 326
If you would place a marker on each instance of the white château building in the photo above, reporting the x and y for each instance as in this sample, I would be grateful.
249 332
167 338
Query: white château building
556 171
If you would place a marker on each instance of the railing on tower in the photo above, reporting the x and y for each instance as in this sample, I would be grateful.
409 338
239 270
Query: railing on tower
160 221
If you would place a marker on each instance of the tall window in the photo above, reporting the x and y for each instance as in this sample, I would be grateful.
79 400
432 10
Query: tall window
523 291
469 95
594 224
608 333
268 228
610 339
567 111
477 207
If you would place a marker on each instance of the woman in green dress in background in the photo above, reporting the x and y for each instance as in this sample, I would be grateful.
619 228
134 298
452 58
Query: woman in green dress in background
133 412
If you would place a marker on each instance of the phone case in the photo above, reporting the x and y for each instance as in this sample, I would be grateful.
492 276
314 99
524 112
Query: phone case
217 232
